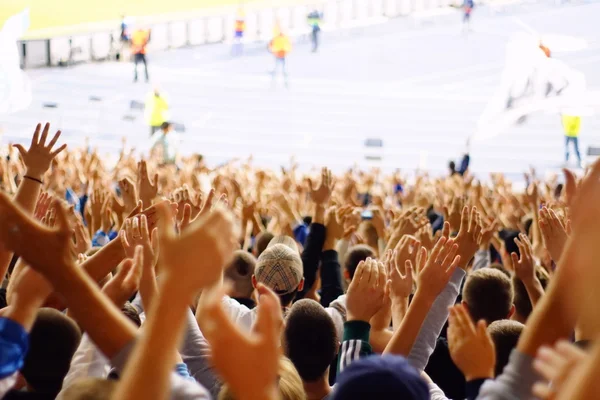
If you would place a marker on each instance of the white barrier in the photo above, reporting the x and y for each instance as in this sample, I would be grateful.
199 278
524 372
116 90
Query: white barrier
260 25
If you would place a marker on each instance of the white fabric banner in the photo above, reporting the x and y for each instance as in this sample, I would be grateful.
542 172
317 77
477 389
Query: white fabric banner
15 86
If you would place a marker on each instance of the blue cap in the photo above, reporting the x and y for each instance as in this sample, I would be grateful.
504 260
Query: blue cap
380 377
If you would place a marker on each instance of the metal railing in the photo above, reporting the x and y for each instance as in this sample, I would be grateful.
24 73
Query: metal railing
102 45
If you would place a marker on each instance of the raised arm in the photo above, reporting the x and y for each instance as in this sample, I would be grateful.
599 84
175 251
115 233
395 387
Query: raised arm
211 239
37 160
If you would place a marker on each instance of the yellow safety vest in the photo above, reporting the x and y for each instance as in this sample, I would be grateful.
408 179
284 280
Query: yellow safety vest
572 125
157 110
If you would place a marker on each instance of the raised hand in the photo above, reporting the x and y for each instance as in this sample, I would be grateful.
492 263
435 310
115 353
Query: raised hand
196 258
321 194
366 292
39 156
247 362
106 215
135 234
407 249
556 365
524 266
471 347
98 200
554 233
35 243
147 189
453 213
42 205
437 268
125 283
469 235
401 284
129 194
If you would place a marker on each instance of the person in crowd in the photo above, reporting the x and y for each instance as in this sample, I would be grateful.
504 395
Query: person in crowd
238 36
280 46
156 110
139 41
166 141
572 125
239 272
314 21
181 232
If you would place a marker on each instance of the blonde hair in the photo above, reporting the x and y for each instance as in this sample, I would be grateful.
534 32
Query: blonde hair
289 383
90 389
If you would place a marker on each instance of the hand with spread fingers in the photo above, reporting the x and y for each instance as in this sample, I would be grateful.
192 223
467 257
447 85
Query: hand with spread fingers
437 268
401 283
470 345
469 235
38 158
320 194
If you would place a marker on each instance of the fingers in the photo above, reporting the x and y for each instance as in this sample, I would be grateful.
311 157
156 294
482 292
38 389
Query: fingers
438 248
21 150
61 215
464 219
381 275
269 318
42 140
446 230
166 231
360 270
36 135
515 260
144 227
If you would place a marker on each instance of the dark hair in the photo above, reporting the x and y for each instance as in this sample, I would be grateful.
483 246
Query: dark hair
130 312
310 339
240 271
505 335
262 241
53 340
452 166
355 255
488 294
523 305
287 298
165 125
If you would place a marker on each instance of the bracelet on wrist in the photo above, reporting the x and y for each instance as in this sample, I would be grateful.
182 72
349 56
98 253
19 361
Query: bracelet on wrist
33 179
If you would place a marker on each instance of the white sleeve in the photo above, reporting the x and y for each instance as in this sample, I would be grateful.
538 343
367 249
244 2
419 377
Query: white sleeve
7 384
239 313
87 361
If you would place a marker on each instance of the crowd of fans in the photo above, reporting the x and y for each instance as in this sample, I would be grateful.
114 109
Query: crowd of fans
153 281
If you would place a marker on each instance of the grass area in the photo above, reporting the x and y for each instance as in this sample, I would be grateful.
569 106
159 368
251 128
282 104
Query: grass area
51 17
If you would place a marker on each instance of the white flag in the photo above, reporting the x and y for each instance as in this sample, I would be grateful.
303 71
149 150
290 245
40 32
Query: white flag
532 82
15 87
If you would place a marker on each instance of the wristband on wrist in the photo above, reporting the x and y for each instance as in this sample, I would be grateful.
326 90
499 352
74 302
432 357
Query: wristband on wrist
33 179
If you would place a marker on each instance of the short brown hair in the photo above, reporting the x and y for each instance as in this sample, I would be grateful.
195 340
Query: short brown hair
262 241
240 271
505 335
355 255
90 389
523 305
488 294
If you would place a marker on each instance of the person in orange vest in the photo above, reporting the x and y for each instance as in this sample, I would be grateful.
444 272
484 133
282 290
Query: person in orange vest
139 41
280 46
240 27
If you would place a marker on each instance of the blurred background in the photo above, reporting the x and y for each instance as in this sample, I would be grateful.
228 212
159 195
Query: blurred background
408 84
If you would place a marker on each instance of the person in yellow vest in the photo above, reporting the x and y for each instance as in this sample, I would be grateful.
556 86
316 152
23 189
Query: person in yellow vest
240 27
139 41
572 125
156 110
280 46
